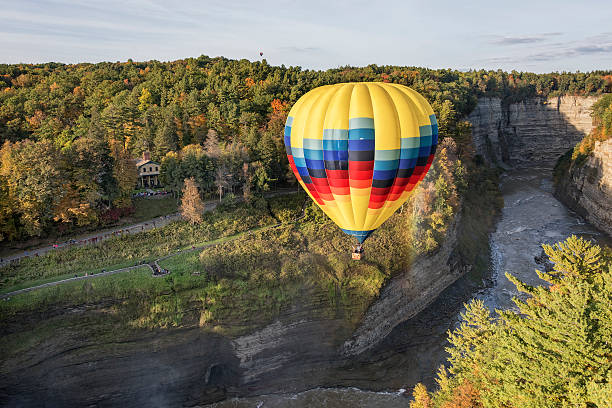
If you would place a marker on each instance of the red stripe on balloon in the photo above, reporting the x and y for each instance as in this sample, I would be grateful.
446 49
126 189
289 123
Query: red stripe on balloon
361 165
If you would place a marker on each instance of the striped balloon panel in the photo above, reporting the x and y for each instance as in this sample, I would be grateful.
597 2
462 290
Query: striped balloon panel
358 149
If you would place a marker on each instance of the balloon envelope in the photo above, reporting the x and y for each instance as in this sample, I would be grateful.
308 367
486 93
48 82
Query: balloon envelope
358 149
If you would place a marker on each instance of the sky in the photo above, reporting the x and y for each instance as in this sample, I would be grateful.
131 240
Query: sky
536 35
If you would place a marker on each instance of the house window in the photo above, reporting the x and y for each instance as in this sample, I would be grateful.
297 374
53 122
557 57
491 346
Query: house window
156 168
144 169
150 168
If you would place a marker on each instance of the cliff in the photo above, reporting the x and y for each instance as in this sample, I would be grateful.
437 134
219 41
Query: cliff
532 132
86 355
409 293
587 188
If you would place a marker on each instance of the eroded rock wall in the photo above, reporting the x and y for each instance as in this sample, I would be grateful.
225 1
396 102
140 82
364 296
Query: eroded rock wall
535 131
409 293
587 189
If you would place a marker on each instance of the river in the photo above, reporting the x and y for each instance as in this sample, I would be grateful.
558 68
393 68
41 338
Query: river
531 216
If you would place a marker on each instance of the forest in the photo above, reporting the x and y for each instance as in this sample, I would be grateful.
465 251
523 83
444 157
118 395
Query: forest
70 133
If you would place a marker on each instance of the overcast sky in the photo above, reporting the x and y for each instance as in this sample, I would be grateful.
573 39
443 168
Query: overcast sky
535 35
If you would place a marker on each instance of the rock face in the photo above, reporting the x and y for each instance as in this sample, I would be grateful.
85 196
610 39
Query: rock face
587 189
535 131
409 293
304 347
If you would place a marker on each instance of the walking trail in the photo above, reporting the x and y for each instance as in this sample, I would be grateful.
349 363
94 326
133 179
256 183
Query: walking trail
156 270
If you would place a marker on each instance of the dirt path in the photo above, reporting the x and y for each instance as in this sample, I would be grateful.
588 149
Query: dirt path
154 266
99 236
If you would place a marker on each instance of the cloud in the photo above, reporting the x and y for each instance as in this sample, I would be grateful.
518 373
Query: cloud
300 49
523 39
575 51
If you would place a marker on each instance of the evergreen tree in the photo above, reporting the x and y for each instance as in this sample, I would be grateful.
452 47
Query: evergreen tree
554 352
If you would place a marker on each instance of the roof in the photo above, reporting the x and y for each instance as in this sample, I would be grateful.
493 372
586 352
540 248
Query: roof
142 162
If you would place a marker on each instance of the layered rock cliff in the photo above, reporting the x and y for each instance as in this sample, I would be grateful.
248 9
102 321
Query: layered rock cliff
409 293
535 131
587 188
86 356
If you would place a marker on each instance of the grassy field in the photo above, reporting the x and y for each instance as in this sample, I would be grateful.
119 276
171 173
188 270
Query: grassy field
252 272
148 245
148 208
129 284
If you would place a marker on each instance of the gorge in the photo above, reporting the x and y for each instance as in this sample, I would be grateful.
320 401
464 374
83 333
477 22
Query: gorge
397 342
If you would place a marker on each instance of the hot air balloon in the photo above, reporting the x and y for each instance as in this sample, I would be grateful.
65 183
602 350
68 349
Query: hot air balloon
261 54
358 149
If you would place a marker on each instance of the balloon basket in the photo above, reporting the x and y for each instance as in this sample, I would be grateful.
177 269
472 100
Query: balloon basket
356 256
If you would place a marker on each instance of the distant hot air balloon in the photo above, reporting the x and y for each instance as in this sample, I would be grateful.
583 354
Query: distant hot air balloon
261 54
358 149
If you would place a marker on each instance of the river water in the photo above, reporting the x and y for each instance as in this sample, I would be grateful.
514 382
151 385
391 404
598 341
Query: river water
531 216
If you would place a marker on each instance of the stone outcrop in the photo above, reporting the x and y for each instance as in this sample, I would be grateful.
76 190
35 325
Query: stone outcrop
587 188
304 347
535 131
409 293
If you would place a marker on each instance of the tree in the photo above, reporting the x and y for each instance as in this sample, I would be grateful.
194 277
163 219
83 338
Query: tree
554 351
211 144
192 206
222 179
32 171
125 174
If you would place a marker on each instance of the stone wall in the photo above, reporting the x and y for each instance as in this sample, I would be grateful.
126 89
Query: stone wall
587 189
536 131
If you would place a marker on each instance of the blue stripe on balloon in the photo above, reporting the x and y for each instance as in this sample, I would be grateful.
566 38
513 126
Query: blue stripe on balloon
361 134
426 141
335 144
360 235
299 161
361 145
335 155
312 154
361 123
303 171
424 151
384 174
385 164
315 164
407 163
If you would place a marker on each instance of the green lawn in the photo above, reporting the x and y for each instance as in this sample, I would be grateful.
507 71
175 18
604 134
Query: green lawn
148 208
133 283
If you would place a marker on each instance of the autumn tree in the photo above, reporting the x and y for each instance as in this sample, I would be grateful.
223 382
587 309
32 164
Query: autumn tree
125 175
34 179
192 206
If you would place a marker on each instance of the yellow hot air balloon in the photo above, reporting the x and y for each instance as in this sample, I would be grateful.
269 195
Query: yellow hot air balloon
358 149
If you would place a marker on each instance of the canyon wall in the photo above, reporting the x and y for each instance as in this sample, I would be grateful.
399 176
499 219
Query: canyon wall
587 188
409 293
533 132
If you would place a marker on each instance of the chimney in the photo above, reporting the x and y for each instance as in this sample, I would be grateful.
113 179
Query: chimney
146 155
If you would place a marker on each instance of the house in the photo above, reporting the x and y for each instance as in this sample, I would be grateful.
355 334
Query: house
148 172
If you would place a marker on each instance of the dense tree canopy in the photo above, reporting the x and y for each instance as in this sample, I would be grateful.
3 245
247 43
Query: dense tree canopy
89 119
554 351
